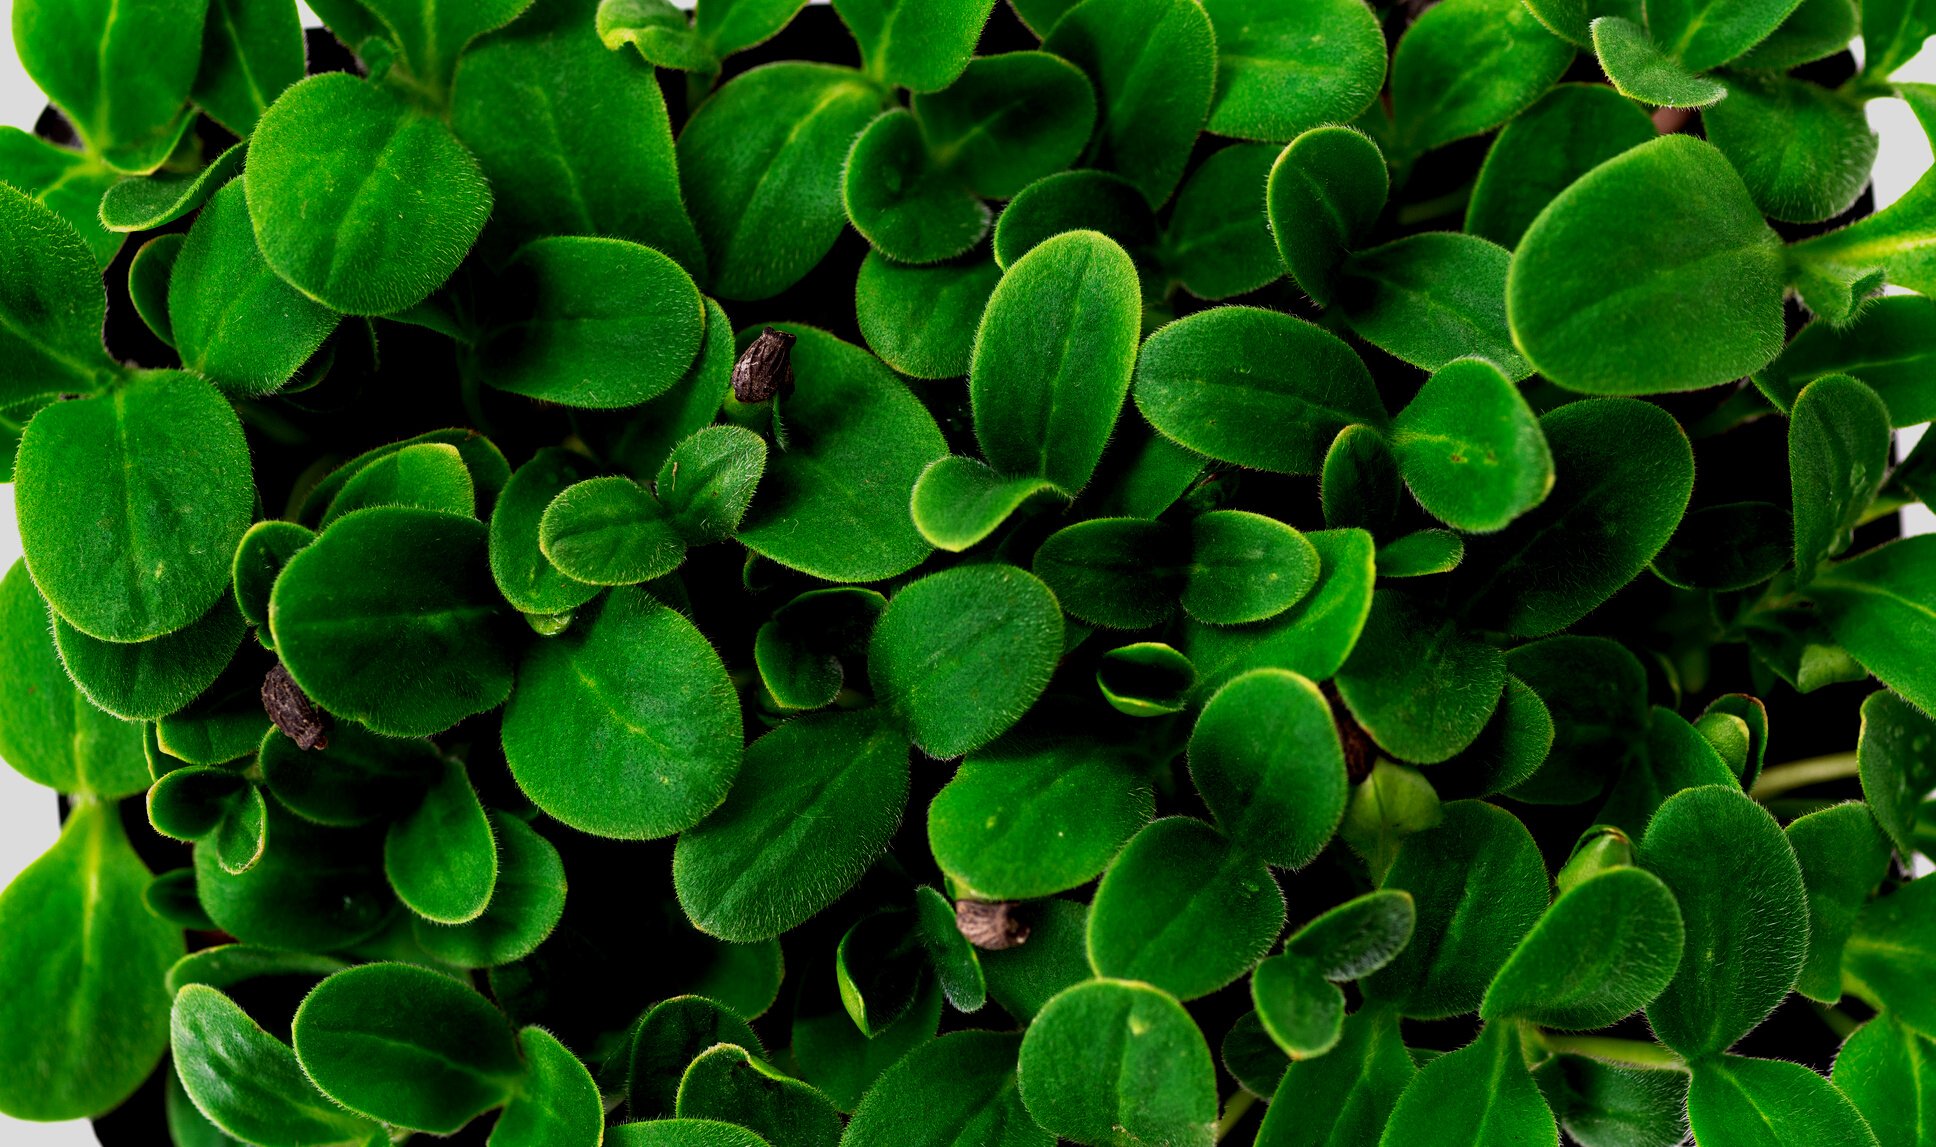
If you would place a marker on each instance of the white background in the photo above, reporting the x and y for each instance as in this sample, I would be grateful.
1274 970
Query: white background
27 811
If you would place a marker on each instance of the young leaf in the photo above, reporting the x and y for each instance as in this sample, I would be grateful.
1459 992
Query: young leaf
1471 449
122 76
1892 944
160 199
441 858
708 481
960 655
1742 953
1053 358
1146 679
390 618
1245 567
669 1036
1008 121
246 1081
959 1091
1312 638
1254 387
1431 298
1623 473
1734 1101
1699 273
1120 573
922 320
164 560
431 35
1357 937
1508 751
901 201
359 245
526 903
1282 70
1481 1093
1265 757
960 501
428 475
1838 455
1154 65
663 721
1344 1096
251 51
1421 684
1023 821
1641 70
760 164
920 46
86 1019
1301 1010
834 504
799 652
1421 553
1075 201
559 1105
1183 908
407 1046
1360 485
816 802
727 1084
525 577
1109 1061
1218 243
610 531
1467 66
1706 33
1881 607
1572 129
148 680
1844 856
1898 770
1603 951
1393 803
1324 193
1803 150
47 349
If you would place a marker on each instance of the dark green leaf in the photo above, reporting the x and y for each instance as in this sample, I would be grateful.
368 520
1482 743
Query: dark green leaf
1312 638
1026 977
1888 1072
1113 1062
315 889
1008 121
1121 573
922 46
1844 856
727 1084
1342 1098
1888 955
1727 547
428 475
1418 682
1803 150
441 859
246 1081
1282 70
251 51
1881 606
1604 950
959 1091
1471 449
1075 201
1897 754
1838 456
1360 485
1733 1101
669 1036
148 278
151 679
1357 937
1301 1010
1467 66
1146 679
1245 567
1431 298
1218 243
1705 33
922 320
259 559
1481 1093
1889 346
1325 191
1572 130
708 481
523 574
559 1104
901 200
1265 757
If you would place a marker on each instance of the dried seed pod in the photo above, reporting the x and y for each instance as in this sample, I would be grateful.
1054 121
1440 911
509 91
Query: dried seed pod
766 369
292 712
991 924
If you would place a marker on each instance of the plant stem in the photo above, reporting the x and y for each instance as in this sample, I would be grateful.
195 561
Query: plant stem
1628 1052
1234 1112
1838 1021
1779 779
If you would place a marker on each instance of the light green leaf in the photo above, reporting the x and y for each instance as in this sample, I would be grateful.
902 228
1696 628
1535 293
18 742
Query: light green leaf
1889 952
1803 150
1284 69
960 501
48 347
526 903
523 574
71 184
708 481
559 1104
610 531
922 320
122 75
1603 951
148 680
1641 70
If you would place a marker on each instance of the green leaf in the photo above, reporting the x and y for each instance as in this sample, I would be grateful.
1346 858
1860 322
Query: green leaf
1479 885
1146 679
1265 757
1728 547
1887 1071
49 732
592 322
1154 65
1282 70
1120 573
959 1091
834 1056
1357 937
188 803
251 51
86 1018
488 469
1393 803
1816 29
1509 750
949 953
1572 129
1623 473
1705 33
1676 757
1471 449
960 655
315 889
669 1036
1420 683
232 319
408 1046
833 504
1431 298
799 653
1009 120
158 200
1359 484
1699 276
681 1133
816 802
1075 201
1641 70
357 778
1838 456
360 201
1025 820
1342 1098
1024 978
1844 856
925 50
760 164
1421 553
901 201
922 320
1881 606
246 1081
122 76
708 481
525 577
1889 346
1467 66
1053 358
559 1105
1312 638
1481 1093
47 348
1254 387
546 109
667 727
1803 150
431 35
1301 1010
428 475
639 440
1245 567
727 1084
151 679
526 903
1897 766
163 459
441 858
1113 1062
1886 956
1743 953
610 531
1603 951
1596 692
1218 243
1600 1103
959 501
1325 191
1183 908
390 618
1733 1101
71 184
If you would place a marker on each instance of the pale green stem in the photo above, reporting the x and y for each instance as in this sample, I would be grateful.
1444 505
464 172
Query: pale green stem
1234 1112
1779 779
1838 1021
1628 1052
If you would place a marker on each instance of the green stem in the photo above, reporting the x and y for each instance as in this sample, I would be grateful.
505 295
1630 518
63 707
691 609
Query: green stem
1779 779
1627 1052
1234 1112
1838 1021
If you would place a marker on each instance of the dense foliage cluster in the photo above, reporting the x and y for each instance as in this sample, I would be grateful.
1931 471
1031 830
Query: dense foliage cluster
638 661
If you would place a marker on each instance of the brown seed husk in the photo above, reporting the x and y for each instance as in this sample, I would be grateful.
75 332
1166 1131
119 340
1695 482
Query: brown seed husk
766 369
292 712
991 924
